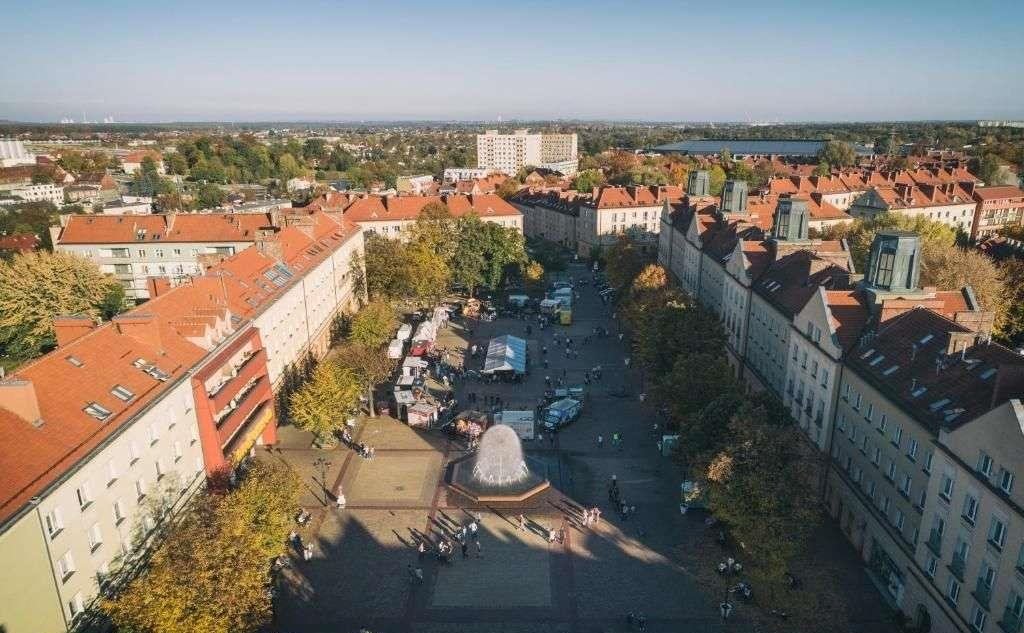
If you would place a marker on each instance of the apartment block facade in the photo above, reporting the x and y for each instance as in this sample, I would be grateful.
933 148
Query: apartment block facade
509 153
111 433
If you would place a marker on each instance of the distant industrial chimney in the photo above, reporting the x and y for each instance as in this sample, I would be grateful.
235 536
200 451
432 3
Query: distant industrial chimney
734 197
698 183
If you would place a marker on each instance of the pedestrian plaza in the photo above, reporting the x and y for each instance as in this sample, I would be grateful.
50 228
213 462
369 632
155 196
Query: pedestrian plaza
360 575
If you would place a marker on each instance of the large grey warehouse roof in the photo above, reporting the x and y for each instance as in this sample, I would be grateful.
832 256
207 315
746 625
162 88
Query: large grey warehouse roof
746 147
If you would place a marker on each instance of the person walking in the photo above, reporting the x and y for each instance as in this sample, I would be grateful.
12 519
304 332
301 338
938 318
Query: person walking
465 547
522 523
479 550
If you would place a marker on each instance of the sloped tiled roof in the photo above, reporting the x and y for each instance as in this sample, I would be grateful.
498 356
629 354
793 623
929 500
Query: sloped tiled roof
155 229
937 370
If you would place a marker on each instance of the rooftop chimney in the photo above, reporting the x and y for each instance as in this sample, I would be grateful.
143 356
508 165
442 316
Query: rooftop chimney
141 327
268 243
157 286
72 328
18 395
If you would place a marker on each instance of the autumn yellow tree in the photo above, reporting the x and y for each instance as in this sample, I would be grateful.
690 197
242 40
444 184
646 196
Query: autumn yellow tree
320 405
533 277
211 573
370 365
38 286
374 325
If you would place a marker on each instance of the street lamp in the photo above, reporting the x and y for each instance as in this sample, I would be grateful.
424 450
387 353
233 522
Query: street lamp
323 464
728 568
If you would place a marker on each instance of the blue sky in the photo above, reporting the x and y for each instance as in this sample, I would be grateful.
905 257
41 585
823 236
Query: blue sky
681 61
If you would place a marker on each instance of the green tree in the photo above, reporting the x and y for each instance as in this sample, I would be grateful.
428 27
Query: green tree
30 217
435 230
42 178
587 179
386 274
762 487
837 154
988 168
374 325
176 164
469 263
38 286
208 196
716 180
625 261
822 169
314 149
321 404
695 380
370 365
1012 330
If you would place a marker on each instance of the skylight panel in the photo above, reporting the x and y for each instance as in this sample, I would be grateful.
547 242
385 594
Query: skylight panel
122 393
988 373
876 360
938 404
924 339
74 361
97 411
919 391
891 370
867 353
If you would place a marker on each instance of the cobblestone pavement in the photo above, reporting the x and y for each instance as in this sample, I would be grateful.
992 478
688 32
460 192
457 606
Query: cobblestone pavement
518 582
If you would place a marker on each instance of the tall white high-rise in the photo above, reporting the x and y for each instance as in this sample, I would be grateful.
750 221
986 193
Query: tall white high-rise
509 153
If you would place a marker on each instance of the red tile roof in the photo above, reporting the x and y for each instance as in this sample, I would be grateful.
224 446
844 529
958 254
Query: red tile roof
180 227
167 332
378 209
998 193
21 243
937 370
137 156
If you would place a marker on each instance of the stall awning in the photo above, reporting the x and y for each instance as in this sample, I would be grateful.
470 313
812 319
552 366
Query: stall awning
506 353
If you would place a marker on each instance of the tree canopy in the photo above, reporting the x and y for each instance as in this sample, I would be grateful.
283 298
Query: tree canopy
37 287
211 573
373 325
320 405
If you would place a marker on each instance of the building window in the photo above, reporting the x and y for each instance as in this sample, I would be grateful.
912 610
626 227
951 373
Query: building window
997 533
76 606
927 466
985 464
55 522
178 452
978 618
83 495
154 434
118 512
970 513
133 453
953 591
931 563
140 488
111 472
912 450
1005 480
897 435
65 566
946 488
905 485
122 393
95 537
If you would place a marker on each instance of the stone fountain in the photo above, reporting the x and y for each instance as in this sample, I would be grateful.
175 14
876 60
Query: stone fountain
497 471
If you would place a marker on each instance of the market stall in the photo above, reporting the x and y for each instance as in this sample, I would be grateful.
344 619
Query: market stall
506 355
422 414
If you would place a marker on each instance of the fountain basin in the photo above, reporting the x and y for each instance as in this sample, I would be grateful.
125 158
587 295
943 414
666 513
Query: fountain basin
462 480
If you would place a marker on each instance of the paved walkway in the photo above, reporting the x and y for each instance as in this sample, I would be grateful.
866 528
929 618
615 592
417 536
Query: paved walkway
517 581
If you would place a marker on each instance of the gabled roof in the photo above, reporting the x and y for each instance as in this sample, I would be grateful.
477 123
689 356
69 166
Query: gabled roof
938 371
377 208
795 276
156 229
998 193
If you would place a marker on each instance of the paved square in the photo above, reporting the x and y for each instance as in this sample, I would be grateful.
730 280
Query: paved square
515 571
400 478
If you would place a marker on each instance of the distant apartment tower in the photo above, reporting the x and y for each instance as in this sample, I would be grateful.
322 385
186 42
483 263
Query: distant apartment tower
509 153
13 153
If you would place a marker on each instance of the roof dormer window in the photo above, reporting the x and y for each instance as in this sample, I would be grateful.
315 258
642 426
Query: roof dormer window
122 393
97 411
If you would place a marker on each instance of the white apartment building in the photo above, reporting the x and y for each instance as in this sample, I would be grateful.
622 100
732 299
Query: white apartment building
136 248
49 192
394 216
13 153
509 153
947 204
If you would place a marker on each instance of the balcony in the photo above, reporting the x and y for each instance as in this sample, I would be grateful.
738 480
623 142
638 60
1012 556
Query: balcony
934 542
1010 622
236 369
956 566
